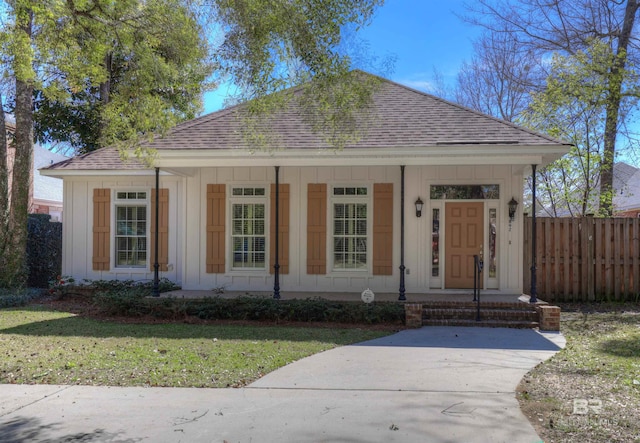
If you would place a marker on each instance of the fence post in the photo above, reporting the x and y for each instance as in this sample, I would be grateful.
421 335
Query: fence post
589 234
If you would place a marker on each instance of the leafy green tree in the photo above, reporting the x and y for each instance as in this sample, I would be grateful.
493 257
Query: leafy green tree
154 63
133 68
573 107
543 28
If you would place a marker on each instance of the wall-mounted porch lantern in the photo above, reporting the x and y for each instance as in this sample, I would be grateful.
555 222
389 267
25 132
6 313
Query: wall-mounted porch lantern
513 206
419 203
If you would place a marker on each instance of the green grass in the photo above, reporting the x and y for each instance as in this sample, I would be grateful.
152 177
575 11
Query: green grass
40 346
600 364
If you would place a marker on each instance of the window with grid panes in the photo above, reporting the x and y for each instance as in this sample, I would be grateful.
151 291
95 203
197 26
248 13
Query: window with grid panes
350 236
131 229
248 228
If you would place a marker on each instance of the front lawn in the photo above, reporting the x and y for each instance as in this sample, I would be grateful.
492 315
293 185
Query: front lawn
43 346
590 391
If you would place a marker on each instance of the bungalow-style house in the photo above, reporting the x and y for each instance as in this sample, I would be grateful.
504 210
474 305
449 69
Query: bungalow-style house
404 208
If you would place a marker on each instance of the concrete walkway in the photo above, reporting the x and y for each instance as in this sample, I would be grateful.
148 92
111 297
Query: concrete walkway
434 384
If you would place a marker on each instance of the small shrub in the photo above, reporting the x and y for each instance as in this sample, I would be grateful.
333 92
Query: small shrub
59 286
123 301
10 298
133 302
143 287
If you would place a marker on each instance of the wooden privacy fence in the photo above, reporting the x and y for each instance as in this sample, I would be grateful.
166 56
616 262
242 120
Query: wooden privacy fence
584 259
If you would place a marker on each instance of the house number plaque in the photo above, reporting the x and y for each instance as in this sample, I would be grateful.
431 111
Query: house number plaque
367 295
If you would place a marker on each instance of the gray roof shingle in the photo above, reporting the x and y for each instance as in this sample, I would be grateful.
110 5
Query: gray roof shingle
400 117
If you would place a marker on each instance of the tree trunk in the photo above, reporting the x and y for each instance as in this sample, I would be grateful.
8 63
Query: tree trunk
105 87
616 75
4 186
15 273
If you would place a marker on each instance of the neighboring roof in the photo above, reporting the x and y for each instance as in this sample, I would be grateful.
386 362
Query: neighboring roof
400 118
626 184
622 173
626 188
46 188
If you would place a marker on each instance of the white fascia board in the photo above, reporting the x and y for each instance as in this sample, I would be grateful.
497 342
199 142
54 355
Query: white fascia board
440 155
190 160
62 173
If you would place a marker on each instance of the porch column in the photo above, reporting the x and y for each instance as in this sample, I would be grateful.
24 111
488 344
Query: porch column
402 267
533 298
155 291
276 266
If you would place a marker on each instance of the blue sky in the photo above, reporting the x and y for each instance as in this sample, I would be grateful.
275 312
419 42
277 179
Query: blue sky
423 35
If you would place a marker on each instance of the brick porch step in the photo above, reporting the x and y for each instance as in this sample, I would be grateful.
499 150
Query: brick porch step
429 313
492 314
482 323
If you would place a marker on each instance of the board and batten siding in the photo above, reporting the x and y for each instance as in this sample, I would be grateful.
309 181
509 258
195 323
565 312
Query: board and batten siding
305 222
89 231
163 231
283 231
198 225
102 230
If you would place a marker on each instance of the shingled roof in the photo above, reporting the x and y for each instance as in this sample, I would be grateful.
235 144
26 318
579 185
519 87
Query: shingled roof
400 117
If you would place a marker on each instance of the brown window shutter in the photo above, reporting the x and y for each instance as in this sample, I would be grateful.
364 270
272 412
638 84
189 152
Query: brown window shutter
216 204
163 233
316 228
101 229
283 231
383 229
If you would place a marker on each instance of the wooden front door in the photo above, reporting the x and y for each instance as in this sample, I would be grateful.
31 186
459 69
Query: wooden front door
463 232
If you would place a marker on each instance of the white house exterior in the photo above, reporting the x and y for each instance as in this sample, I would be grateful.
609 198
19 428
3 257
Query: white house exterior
340 223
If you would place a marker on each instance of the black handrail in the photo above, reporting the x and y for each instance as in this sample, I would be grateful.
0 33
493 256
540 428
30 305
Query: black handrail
477 272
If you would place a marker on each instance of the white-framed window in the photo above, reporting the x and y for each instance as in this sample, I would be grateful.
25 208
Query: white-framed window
131 229
350 231
248 227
